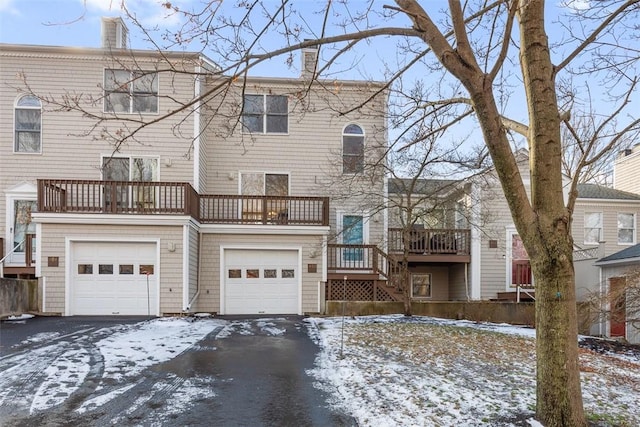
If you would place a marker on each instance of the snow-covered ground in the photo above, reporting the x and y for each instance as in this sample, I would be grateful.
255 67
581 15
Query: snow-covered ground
392 370
381 370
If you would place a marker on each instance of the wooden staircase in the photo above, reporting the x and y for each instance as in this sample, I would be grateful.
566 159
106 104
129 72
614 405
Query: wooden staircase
362 273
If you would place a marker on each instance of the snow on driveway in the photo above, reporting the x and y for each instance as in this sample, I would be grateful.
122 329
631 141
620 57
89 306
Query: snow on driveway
60 366
392 370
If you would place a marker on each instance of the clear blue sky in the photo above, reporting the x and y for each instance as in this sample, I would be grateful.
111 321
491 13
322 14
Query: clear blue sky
69 22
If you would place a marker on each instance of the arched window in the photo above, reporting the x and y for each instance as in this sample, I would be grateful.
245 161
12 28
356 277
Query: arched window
28 125
352 149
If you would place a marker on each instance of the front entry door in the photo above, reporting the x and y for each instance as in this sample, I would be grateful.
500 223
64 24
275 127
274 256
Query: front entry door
618 306
22 225
519 267
353 233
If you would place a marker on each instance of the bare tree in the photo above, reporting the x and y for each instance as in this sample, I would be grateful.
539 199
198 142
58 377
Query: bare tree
485 60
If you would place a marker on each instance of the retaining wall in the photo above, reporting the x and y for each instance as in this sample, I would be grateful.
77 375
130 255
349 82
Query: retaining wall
18 296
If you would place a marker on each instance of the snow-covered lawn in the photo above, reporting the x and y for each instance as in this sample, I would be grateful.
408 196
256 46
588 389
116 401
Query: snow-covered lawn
392 370
381 370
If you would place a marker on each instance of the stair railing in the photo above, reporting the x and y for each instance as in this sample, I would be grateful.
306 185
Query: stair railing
7 256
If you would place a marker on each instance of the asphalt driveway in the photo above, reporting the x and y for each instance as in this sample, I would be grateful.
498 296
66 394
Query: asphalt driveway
160 372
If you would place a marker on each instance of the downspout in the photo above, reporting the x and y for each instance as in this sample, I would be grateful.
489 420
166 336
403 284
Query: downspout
466 279
197 294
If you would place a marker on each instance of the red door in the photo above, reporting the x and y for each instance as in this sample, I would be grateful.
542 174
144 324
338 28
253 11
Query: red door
618 306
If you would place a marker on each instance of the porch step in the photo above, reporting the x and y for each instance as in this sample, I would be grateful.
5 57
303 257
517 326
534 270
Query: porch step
20 272
513 296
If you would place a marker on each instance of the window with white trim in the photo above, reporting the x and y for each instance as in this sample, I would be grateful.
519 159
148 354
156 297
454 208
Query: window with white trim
28 125
421 285
592 228
130 91
626 228
265 113
352 149
136 169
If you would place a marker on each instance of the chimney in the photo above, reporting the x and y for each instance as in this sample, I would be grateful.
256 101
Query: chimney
309 61
114 33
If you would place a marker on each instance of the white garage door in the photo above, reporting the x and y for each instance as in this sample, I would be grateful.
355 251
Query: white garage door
261 281
110 278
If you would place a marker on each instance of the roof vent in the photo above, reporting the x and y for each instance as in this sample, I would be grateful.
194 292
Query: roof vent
114 33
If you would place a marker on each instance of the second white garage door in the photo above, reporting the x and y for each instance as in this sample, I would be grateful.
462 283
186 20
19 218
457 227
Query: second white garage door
110 278
261 281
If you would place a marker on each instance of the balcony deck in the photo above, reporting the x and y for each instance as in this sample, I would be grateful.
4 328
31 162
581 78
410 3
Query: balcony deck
178 198
431 245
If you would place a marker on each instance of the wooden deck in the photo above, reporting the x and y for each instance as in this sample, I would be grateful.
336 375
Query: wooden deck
431 245
178 198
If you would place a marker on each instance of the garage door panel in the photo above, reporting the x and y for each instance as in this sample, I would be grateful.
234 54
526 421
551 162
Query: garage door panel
107 279
261 281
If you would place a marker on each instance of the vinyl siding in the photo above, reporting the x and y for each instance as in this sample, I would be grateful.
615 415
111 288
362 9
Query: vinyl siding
170 262
209 299
627 171
310 153
609 210
496 219
68 150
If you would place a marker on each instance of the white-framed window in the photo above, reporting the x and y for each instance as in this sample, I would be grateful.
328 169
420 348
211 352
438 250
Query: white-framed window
421 285
352 149
135 169
130 91
592 228
130 168
28 125
265 184
265 113
626 228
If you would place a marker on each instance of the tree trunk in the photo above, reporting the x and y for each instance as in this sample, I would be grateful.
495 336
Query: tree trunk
548 240
559 398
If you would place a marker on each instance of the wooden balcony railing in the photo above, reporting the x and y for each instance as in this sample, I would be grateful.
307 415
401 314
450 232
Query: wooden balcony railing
432 241
283 210
178 198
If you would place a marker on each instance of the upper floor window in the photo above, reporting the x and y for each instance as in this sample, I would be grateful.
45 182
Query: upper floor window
592 227
626 228
265 113
352 149
28 125
130 91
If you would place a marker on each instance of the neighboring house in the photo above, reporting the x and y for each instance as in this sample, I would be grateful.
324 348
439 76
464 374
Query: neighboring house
626 171
228 206
429 218
614 274
463 243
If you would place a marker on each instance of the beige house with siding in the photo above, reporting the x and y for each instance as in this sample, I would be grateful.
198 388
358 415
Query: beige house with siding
482 256
247 198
